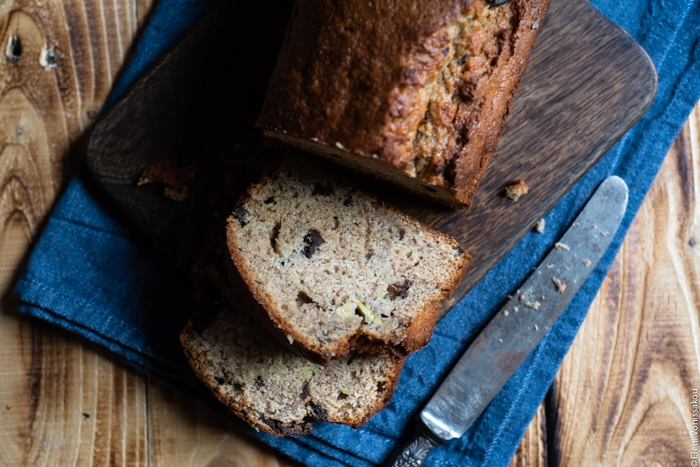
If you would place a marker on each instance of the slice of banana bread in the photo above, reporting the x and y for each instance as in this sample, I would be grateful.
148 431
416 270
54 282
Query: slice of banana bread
269 387
335 269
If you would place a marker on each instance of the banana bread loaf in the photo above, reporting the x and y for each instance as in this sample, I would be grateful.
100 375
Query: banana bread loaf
335 269
415 93
266 385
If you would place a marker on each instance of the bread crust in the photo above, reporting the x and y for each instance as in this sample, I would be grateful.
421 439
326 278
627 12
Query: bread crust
269 312
352 77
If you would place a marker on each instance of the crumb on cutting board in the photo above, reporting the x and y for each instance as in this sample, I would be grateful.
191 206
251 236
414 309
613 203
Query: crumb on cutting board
174 177
516 189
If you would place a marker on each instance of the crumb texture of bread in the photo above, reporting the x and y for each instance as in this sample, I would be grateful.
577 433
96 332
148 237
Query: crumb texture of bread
335 269
516 189
271 388
417 96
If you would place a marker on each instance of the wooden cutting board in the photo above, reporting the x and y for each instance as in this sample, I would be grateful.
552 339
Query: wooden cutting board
586 84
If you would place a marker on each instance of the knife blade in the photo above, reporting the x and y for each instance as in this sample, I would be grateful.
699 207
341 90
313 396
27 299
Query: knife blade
514 332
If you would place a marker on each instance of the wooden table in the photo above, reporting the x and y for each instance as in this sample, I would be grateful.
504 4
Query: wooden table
622 396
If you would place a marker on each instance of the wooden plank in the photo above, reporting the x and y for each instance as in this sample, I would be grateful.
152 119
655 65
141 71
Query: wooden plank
61 403
183 434
64 404
532 451
623 394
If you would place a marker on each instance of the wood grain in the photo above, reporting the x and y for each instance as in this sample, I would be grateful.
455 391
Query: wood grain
58 64
184 434
64 404
61 403
622 396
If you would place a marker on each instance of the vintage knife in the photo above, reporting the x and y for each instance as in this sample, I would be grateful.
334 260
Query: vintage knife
519 326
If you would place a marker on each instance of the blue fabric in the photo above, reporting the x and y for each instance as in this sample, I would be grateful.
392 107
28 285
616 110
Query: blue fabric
93 274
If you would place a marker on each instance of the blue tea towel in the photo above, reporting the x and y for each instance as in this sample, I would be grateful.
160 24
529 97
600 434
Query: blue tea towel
92 273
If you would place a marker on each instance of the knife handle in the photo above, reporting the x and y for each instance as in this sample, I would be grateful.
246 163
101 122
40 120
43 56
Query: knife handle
414 453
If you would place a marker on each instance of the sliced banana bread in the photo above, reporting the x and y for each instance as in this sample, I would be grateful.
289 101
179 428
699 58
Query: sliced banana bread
269 387
335 269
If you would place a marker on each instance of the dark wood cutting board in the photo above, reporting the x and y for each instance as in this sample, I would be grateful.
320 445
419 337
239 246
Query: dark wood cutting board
586 84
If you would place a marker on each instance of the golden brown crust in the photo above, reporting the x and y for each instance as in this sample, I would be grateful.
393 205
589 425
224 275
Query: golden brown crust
267 309
352 79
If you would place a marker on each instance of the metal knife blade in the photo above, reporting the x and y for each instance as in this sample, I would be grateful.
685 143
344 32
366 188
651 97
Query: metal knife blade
518 327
